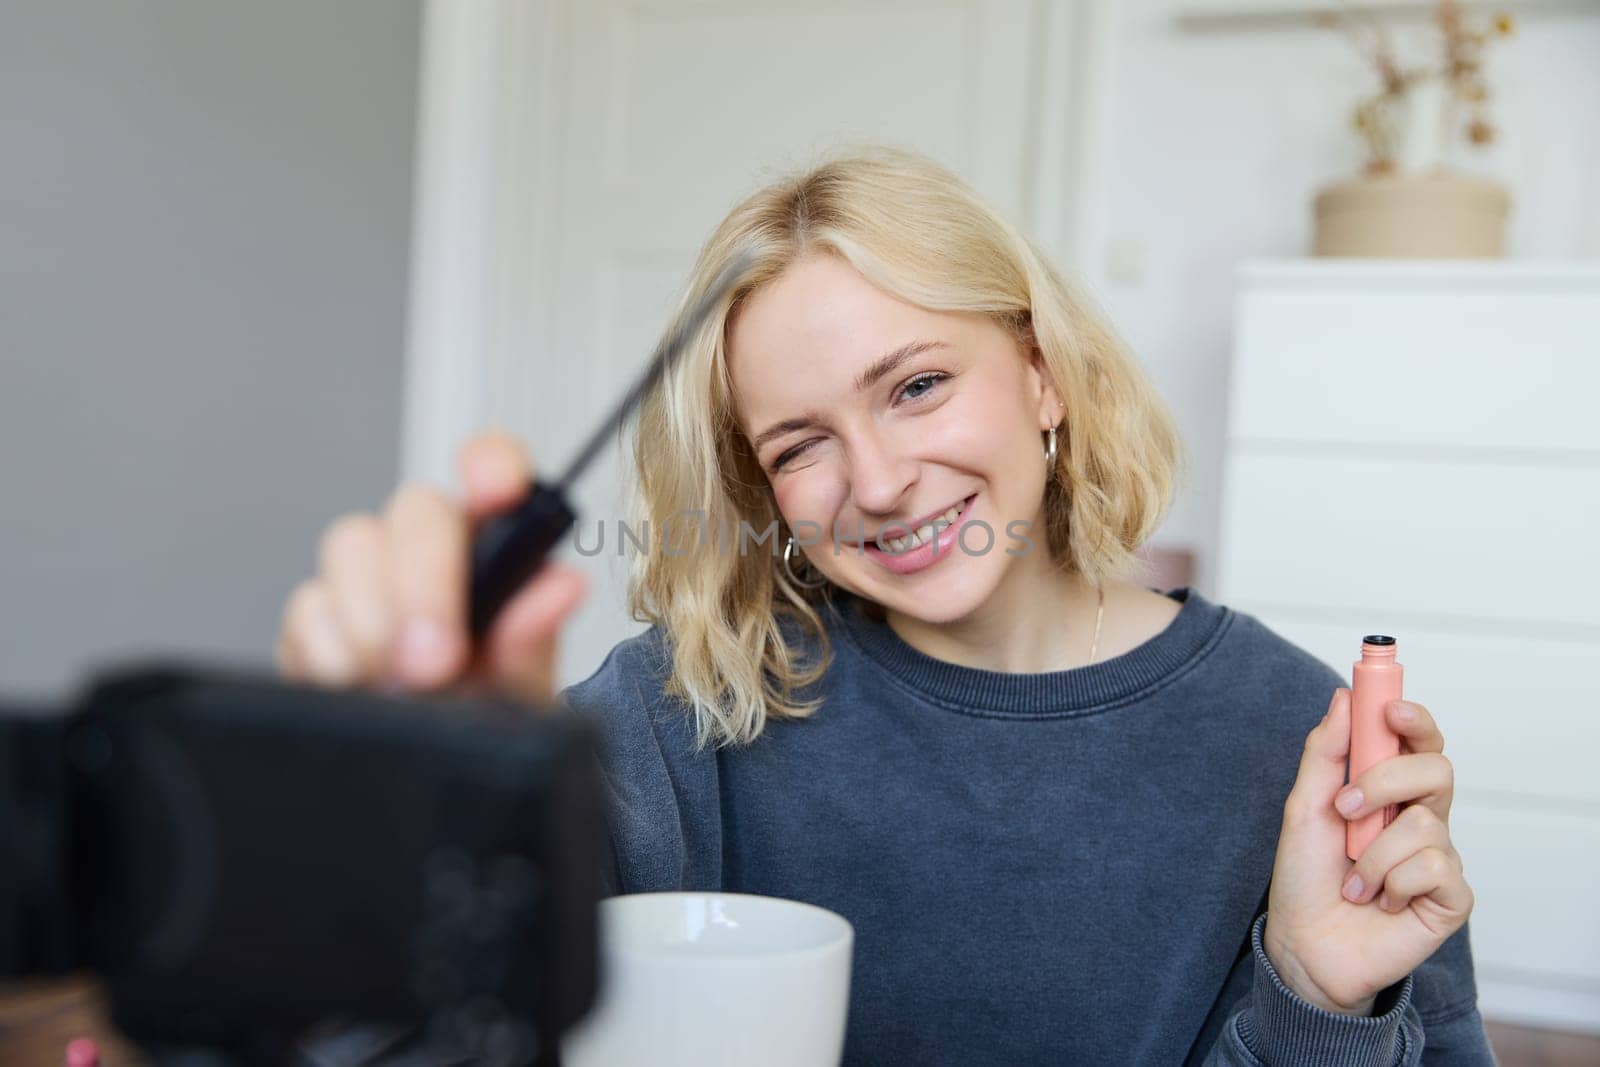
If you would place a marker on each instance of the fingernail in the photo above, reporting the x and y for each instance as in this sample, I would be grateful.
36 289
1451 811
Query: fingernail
1348 802
424 648
1383 901
1353 887
1405 712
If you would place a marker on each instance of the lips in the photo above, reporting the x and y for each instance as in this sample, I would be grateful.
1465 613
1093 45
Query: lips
902 529
910 561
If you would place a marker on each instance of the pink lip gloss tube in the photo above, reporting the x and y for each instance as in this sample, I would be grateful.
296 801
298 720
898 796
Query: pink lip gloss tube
1375 681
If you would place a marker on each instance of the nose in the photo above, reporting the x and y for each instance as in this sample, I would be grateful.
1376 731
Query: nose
880 473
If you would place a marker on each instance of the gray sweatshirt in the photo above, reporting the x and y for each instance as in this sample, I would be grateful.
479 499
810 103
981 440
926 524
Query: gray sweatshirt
1058 868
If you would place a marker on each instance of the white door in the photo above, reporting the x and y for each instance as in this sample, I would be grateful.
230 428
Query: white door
618 134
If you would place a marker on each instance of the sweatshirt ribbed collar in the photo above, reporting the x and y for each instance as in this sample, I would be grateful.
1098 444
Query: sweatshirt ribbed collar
1194 631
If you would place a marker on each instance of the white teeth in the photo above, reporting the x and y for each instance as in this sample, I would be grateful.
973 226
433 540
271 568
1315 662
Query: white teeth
926 532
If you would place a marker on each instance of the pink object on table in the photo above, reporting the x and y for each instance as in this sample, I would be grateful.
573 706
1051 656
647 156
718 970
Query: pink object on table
82 1052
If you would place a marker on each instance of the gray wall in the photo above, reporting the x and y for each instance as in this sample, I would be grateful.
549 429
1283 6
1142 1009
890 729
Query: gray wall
204 230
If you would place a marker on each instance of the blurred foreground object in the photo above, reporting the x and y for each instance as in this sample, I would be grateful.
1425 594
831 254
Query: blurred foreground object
45 1021
242 861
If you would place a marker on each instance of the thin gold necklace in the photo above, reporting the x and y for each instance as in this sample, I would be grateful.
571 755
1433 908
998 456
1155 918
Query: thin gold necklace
1099 615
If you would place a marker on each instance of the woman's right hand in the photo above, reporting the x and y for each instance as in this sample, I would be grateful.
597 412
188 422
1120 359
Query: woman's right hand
388 605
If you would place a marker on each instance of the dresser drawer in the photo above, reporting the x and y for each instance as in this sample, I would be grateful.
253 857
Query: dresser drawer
1520 719
1482 541
1479 356
1533 874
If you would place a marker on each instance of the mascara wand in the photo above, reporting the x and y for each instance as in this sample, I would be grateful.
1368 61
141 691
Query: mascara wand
510 548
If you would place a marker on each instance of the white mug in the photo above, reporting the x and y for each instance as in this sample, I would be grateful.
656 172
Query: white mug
716 980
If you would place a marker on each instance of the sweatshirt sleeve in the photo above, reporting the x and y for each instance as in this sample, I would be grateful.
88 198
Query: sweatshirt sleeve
1428 1018
661 794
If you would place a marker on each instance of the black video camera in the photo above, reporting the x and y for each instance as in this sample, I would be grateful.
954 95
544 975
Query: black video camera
243 861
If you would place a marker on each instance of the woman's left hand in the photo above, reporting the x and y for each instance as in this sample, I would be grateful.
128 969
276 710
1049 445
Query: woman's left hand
1336 948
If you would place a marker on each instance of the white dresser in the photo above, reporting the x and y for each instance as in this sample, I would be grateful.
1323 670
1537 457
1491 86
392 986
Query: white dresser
1414 449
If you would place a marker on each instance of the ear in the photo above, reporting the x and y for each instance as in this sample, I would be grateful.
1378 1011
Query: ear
1043 391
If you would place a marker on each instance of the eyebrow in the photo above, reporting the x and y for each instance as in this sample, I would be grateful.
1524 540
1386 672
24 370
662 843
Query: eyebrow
880 369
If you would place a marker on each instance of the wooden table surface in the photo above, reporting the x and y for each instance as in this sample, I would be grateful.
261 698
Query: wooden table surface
39 1017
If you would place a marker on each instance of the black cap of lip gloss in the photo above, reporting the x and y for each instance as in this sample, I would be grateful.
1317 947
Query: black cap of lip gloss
1377 639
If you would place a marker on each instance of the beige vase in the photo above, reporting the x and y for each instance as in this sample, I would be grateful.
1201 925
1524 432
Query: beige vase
1437 215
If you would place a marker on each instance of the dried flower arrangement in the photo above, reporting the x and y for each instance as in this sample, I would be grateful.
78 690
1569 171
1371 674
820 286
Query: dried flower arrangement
1377 118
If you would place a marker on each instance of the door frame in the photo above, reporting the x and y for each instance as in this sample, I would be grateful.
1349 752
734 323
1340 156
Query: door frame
487 164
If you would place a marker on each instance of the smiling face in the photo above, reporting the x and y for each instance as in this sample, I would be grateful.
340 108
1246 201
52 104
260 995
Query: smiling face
871 416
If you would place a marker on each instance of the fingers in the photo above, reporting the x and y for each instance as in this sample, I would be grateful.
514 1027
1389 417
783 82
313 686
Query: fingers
313 645
389 602
353 558
286 657
1433 873
496 472
523 642
1416 726
1322 764
1414 830
1425 778
1329 741
427 535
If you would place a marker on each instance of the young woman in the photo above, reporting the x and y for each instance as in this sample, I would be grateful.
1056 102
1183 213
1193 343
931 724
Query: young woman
899 667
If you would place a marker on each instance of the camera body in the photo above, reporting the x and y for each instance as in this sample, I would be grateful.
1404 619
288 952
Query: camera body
239 858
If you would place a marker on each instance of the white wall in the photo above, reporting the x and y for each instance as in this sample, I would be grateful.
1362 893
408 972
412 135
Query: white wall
1218 135
204 229
1200 144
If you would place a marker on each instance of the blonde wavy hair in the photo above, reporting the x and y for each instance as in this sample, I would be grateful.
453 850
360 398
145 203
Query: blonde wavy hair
921 234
